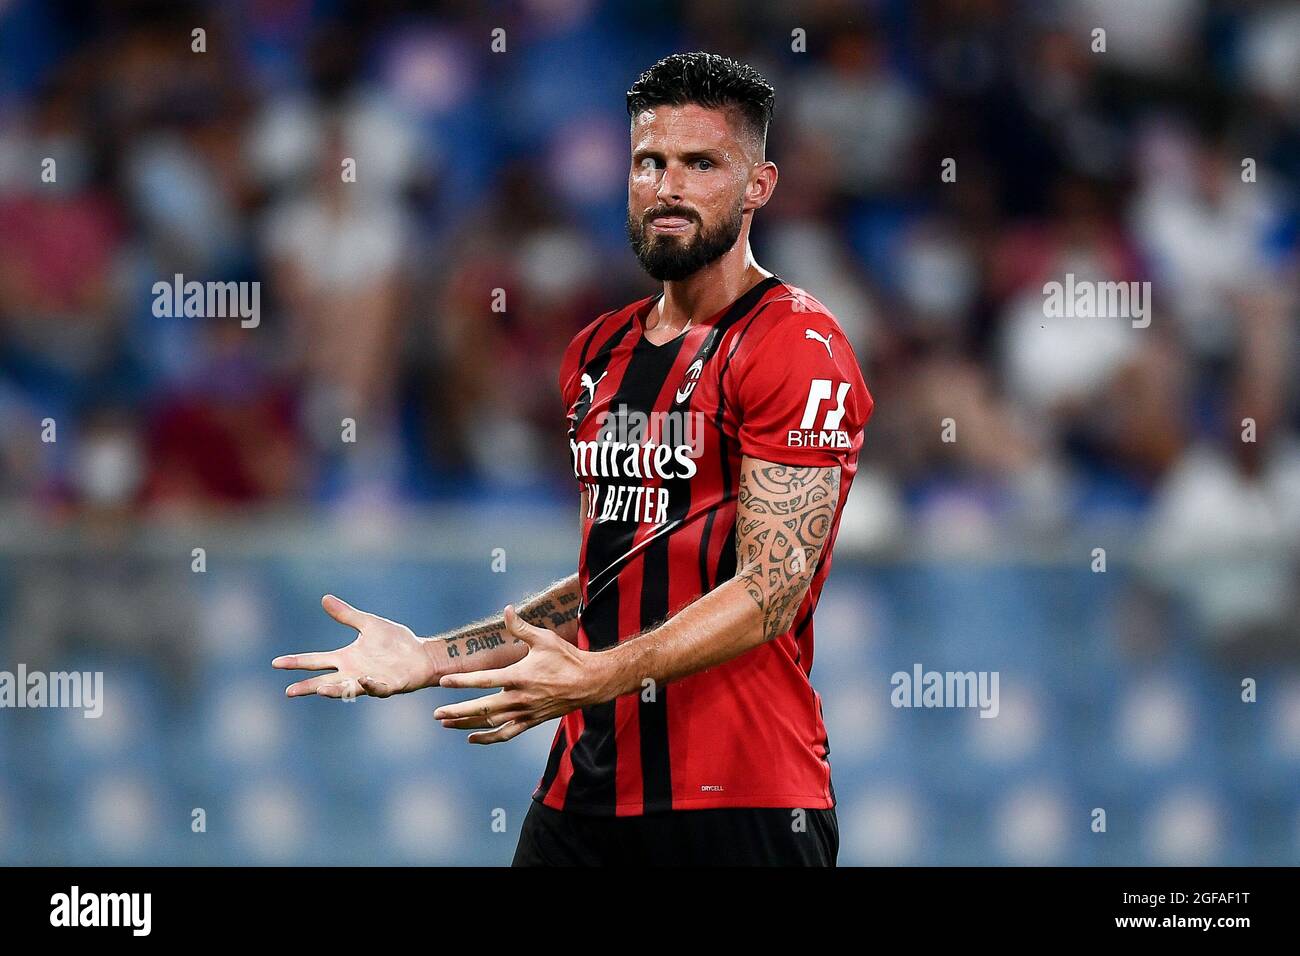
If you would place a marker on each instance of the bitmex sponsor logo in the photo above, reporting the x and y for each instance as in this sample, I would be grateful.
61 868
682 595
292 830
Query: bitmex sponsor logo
813 439
829 435
922 688
75 689
75 909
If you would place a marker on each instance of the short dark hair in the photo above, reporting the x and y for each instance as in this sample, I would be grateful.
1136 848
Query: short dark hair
708 80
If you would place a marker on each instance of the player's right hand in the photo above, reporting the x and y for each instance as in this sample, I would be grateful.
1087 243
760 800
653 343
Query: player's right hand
385 659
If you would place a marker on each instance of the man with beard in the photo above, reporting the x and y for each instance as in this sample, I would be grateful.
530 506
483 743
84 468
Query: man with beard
715 429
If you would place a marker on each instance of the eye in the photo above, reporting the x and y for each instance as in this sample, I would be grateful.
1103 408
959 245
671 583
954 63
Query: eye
649 163
704 164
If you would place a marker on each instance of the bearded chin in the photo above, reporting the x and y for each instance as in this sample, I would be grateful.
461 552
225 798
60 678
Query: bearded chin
669 258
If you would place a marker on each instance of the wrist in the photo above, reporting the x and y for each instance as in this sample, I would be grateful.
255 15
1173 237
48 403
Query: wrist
439 662
610 674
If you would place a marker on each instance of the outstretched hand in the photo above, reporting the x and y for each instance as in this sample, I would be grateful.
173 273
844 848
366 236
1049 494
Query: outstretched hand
551 680
385 659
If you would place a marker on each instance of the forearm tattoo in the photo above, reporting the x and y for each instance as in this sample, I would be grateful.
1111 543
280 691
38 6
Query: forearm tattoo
547 609
553 613
784 516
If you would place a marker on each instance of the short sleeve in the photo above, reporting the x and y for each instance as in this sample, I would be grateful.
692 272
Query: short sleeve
801 399
580 346
568 381
568 376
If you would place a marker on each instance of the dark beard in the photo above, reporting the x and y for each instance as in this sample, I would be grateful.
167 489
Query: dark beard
669 258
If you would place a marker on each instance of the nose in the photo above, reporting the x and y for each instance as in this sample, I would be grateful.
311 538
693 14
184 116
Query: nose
669 191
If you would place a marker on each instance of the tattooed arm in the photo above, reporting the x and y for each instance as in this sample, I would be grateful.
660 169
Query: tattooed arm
783 518
387 658
483 644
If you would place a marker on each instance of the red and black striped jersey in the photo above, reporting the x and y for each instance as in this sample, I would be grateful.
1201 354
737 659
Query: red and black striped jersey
656 435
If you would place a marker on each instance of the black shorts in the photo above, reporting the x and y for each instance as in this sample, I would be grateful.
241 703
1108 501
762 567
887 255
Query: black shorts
722 837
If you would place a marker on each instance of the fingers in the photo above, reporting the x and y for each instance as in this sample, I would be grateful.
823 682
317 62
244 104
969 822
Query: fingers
343 612
317 661
520 628
348 687
479 707
491 722
305 687
501 734
500 677
376 688
337 686
322 660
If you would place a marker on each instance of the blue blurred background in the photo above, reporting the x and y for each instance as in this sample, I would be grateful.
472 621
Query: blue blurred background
480 171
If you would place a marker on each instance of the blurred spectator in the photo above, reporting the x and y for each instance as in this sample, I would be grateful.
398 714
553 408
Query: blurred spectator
432 222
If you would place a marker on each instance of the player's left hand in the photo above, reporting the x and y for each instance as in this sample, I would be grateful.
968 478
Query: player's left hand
551 680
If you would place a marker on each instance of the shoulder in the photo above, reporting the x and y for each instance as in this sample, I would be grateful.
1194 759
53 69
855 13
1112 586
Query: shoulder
789 326
594 337
796 385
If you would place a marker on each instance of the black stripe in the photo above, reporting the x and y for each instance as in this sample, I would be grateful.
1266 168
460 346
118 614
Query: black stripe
798 633
656 759
727 559
586 346
705 537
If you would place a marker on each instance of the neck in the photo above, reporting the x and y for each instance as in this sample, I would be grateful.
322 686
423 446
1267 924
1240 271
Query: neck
710 290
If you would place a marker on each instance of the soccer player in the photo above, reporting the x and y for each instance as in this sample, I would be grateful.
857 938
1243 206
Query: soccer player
714 430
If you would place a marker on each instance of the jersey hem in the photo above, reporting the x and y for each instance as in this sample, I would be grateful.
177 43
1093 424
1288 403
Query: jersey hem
801 457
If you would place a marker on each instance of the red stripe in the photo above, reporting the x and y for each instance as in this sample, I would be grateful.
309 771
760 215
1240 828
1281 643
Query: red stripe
560 788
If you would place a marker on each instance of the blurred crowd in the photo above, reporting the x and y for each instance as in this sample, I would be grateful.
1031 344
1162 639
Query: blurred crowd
429 300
